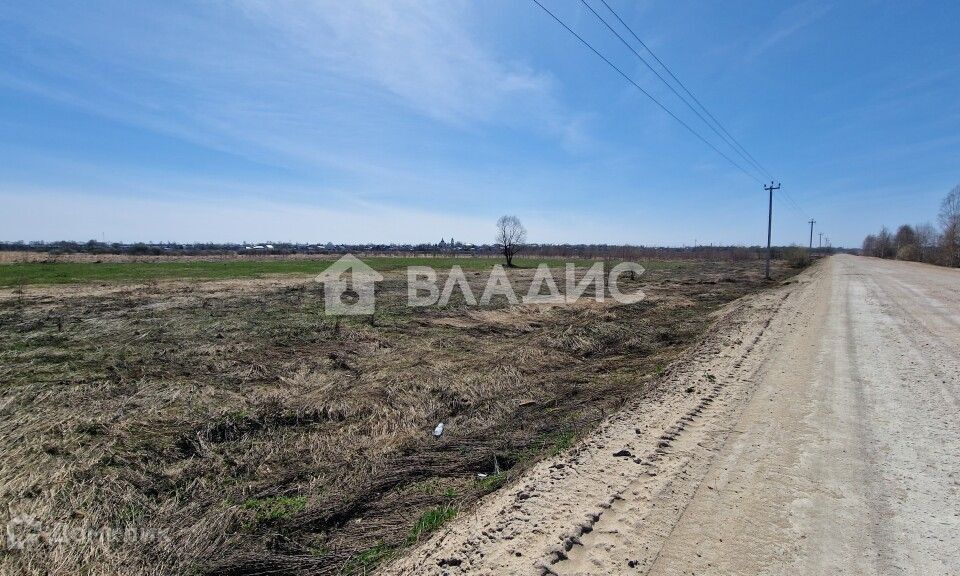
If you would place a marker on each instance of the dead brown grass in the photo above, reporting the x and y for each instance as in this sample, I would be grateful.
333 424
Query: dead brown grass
237 430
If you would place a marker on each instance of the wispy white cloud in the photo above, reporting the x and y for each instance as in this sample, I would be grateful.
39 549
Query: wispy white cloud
788 23
421 51
356 98
290 76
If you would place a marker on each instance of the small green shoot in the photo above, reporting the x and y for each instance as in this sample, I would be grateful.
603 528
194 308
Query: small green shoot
430 521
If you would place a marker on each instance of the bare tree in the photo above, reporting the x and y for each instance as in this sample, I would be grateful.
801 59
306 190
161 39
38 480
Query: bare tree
922 242
950 208
884 244
950 244
510 237
950 220
927 238
905 243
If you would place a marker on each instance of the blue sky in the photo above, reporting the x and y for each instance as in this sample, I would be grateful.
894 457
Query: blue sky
406 121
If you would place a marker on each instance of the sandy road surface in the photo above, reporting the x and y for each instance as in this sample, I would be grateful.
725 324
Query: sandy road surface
815 431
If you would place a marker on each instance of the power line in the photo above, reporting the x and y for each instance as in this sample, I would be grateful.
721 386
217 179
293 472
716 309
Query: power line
733 140
647 94
789 203
769 189
664 80
730 140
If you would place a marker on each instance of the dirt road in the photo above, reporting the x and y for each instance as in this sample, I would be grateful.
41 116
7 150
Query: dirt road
815 431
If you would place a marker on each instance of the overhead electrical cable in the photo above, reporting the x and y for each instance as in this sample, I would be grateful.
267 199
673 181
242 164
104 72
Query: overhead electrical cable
733 141
729 139
645 93
683 99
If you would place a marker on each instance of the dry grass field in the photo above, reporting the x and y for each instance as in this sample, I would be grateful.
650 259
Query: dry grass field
229 426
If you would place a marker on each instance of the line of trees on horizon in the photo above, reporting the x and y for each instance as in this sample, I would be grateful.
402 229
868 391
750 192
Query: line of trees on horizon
922 242
280 250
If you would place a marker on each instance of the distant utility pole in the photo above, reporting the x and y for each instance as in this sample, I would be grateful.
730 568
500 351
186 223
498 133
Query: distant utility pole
770 189
821 240
812 222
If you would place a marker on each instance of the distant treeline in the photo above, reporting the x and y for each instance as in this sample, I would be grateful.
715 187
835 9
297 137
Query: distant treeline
443 248
922 242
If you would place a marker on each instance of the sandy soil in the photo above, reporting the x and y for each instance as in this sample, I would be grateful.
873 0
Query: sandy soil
816 430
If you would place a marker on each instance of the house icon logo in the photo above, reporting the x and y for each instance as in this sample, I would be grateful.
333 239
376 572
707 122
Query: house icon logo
348 287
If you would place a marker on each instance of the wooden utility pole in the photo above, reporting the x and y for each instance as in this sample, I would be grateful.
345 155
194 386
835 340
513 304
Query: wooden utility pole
770 189
812 222
821 239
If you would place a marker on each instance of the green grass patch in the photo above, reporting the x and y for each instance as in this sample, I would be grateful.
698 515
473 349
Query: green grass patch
112 272
562 442
273 508
430 521
363 562
491 482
